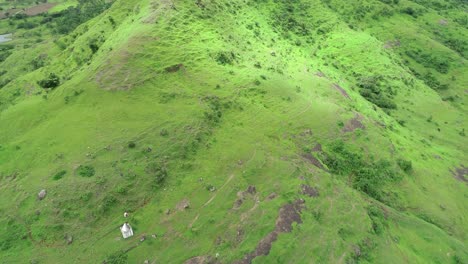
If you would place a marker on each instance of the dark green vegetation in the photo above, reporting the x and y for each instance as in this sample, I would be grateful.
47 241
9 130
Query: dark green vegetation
300 131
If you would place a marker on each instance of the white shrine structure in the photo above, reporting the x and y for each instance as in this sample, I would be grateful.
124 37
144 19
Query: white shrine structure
126 230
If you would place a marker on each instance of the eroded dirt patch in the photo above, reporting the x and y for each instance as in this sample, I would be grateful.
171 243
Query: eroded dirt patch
241 196
121 71
202 260
354 124
392 44
317 148
183 205
288 214
460 174
313 160
320 74
309 191
32 11
341 90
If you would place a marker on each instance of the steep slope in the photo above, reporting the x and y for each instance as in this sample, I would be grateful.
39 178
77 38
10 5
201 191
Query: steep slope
238 131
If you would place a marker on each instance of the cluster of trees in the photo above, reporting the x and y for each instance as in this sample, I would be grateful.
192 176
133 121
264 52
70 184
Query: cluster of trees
371 89
369 177
73 16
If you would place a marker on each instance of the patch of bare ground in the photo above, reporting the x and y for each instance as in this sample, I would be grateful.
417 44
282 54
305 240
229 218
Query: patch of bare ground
390 44
313 160
202 260
158 8
39 9
31 11
118 73
317 148
183 205
341 90
241 196
354 124
460 173
443 22
320 74
309 191
288 214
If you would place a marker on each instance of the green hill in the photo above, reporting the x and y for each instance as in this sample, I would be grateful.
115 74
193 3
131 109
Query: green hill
242 131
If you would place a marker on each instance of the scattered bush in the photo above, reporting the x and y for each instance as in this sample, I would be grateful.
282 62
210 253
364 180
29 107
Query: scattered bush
159 173
26 25
366 176
370 88
224 58
378 219
405 165
131 144
85 171
107 203
51 82
59 175
12 236
68 19
119 257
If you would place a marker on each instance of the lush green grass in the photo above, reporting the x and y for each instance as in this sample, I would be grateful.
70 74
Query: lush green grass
130 129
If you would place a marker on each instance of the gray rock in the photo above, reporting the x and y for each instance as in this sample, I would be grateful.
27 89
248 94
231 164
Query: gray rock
42 194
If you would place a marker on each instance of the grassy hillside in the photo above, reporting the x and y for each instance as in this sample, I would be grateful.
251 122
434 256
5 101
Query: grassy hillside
243 131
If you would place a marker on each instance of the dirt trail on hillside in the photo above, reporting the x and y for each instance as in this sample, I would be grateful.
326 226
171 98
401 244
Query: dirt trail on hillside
288 214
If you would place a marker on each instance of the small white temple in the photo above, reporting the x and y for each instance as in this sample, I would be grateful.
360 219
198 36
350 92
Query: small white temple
126 230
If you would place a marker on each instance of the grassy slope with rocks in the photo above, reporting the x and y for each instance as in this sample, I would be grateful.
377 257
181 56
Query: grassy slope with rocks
170 110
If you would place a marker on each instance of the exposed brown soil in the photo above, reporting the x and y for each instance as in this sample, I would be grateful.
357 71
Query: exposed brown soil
443 22
320 74
392 44
241 196
11 12
460 174
32 11
317 148
39 9
158 9
341 90
354 124
174 68
182 205
288 214
271 196
309 191
201 260
119 73
251 190
311 159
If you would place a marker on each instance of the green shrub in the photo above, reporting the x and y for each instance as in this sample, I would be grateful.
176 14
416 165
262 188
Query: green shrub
159 173
70 18
224 58
366 176
119 257
52 81
405 165
378 219
107 203
131 145
85 171
59 175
